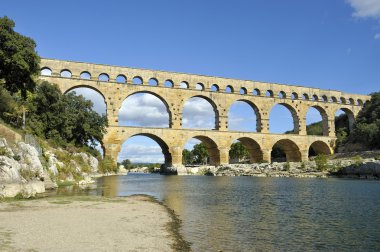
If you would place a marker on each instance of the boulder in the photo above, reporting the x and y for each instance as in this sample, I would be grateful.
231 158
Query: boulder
9 170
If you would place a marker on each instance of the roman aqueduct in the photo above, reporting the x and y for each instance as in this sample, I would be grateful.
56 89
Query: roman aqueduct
115 84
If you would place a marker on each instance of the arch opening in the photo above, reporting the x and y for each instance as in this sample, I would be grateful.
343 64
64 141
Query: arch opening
137 80
244 116
92 94
243 91
200 150
103 77
156 111
214 88
144 150
200 112
229 89
45 71
294 96
85 75
305 97
256 92
282 95
199 86
121 79
344 121
283 119
184 85
168 83
153 82
317 121
285 150
269 93
245 150
317 148
66 73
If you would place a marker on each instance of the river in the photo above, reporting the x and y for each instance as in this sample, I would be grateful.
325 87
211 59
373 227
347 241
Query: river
248 213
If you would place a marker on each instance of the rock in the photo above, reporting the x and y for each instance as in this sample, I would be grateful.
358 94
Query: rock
53 163
86 181
30 158
26 190
9 170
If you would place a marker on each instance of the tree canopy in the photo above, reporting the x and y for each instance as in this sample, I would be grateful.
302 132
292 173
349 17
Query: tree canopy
19 62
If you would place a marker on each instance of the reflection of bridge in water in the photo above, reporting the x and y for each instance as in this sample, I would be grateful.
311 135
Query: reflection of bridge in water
115 84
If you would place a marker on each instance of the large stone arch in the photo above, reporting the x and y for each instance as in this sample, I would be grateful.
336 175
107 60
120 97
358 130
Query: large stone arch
154 94
212 148
256 110
65 91
164 146
291 150
211 102
254 149
350 115
293 111
325 119
320 147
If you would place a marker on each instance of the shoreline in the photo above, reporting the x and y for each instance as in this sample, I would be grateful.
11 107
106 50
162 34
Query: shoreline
137 222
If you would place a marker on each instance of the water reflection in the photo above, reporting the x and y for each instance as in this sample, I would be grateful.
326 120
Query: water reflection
245 214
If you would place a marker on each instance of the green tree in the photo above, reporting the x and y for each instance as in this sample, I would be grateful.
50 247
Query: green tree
187 157
238 151
19 62
200 153
127 164
366 128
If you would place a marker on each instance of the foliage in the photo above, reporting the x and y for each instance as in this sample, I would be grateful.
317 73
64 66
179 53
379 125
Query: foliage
64 118
358 161
19 61
4 151
28 174
315 129
206 172
200 153
287 166
238 151
303 165
187 157
321 162
107 165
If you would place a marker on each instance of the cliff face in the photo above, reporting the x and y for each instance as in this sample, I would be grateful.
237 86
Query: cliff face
25 172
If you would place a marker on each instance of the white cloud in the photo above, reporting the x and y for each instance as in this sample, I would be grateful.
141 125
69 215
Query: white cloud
366 8
144 110
139 153
198 113
97 99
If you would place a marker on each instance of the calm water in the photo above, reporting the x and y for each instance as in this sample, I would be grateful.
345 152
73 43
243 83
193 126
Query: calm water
245 213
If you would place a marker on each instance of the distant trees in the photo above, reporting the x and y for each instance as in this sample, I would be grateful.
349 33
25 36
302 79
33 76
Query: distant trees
198 155
238 152
19 62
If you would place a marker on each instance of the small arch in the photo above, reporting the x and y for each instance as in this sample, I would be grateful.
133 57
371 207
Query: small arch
103 77
212 149
351 101
229 89
334 99
269 93
199 86
294 96
342 100
66 73
324 98
168 83
214 88
256 92
287 150
153 82
121 78
45 71
243 91
137 80
305 97
360 102
315 98
85 75
319 147
252 147
184 85
282 95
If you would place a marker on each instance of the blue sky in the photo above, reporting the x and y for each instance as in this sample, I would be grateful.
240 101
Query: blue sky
324 44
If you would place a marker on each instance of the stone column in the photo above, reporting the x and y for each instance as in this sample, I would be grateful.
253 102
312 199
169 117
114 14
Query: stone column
224 156
267 155
304 155
302 126
264 123
223 123
331 127
176 152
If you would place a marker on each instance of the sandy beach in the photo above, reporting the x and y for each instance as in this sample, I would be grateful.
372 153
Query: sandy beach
135 223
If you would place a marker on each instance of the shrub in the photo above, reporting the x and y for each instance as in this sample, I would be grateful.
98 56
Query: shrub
358 161
303 165
321 162
107 165
4 151
287 166
29 174
17 157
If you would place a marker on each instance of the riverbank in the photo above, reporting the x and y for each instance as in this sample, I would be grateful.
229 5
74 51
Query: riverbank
88 223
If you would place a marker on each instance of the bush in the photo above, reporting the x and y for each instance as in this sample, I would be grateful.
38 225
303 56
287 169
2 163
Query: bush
107 165
287 166
321 162
28 174
303 165
3 151
358 161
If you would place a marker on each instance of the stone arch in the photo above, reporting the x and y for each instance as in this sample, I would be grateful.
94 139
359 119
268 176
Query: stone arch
168 83
293 112
255 110
282 95
184 85
305 97
214 88
290 148
103 77
137 80
212 148
334 99
256 92
46 71
294 96
343 100
85 75
254 149
350 116
121 79
360 102
213 105
243 91
65 73
269 93
170 123
351 101
325 120
85 86
324 98
315 98
164 146
229 89
199 86
153 82
319 147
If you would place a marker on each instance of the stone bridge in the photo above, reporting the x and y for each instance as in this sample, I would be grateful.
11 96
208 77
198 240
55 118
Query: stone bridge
116 83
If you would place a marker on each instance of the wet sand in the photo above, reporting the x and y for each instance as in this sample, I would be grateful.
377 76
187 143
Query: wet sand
135 223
